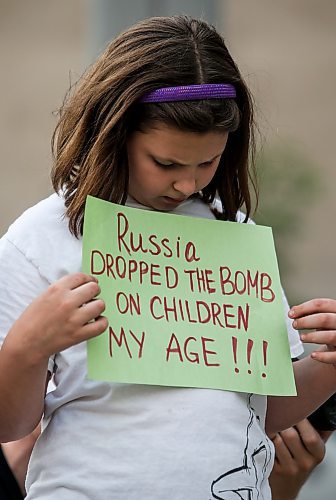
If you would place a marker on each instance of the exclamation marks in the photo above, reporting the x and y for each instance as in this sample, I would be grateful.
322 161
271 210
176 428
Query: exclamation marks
265 346
234 349
249 348
248 354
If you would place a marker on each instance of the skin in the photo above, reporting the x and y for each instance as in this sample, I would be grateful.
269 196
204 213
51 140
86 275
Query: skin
17 454
57 320
315 375
298 450
168 165
64 315
318 315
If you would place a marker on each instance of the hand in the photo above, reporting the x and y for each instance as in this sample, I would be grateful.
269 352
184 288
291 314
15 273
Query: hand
318 315
64 315
298 450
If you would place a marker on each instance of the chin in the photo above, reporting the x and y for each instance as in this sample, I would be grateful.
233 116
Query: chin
160 207
164 209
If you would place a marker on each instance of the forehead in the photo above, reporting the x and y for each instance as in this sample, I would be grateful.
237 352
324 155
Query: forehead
170 142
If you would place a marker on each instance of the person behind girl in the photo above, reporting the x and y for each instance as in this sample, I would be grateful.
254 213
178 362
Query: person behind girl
298 450
162 121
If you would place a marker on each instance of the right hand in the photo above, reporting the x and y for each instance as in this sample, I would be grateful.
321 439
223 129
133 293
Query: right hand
66 314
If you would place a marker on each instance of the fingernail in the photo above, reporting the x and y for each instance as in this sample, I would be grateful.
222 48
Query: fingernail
291 313
295 324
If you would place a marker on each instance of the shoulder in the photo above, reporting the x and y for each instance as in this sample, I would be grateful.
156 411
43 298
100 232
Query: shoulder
42 236
37 222
42 212
240 216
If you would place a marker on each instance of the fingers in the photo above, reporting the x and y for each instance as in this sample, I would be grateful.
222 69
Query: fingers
320 337
301 444
282 453
327 354
94 328
326 321
318 315
90 311
328 357
297 452
72 281
77 288
312 307
292 441
84 293
311 439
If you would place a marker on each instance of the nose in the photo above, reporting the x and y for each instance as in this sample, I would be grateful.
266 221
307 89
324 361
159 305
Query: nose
186 185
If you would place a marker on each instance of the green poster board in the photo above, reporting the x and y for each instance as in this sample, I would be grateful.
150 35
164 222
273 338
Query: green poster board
191 302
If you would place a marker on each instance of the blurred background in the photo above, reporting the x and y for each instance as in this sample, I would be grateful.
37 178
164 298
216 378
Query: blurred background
286 52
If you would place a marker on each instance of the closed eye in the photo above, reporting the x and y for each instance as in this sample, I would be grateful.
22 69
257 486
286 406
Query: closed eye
171 165
207 164
164 165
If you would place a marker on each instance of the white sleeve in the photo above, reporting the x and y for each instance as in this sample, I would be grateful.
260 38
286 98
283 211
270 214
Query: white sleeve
295 343
20 284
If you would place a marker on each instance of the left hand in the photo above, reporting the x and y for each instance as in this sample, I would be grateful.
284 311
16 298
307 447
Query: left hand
318 315
298 450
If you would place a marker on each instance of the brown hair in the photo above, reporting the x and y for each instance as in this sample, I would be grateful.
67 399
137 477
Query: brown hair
89 142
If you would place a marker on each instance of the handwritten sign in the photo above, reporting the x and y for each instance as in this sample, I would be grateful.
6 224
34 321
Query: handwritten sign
191 302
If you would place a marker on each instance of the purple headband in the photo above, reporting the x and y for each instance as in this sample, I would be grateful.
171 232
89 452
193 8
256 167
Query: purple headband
191 93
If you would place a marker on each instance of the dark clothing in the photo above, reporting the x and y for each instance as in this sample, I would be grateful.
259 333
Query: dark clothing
9 488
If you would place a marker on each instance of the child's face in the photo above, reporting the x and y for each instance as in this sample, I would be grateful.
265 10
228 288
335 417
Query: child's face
167 165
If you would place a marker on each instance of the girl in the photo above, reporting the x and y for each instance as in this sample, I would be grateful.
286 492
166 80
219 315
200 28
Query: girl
162 121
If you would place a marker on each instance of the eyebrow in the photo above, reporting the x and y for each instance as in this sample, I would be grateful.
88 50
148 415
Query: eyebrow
174 162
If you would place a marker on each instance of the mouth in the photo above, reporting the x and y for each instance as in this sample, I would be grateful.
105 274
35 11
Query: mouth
173 201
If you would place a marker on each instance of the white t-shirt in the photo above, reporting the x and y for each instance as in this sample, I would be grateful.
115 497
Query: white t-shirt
123 441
